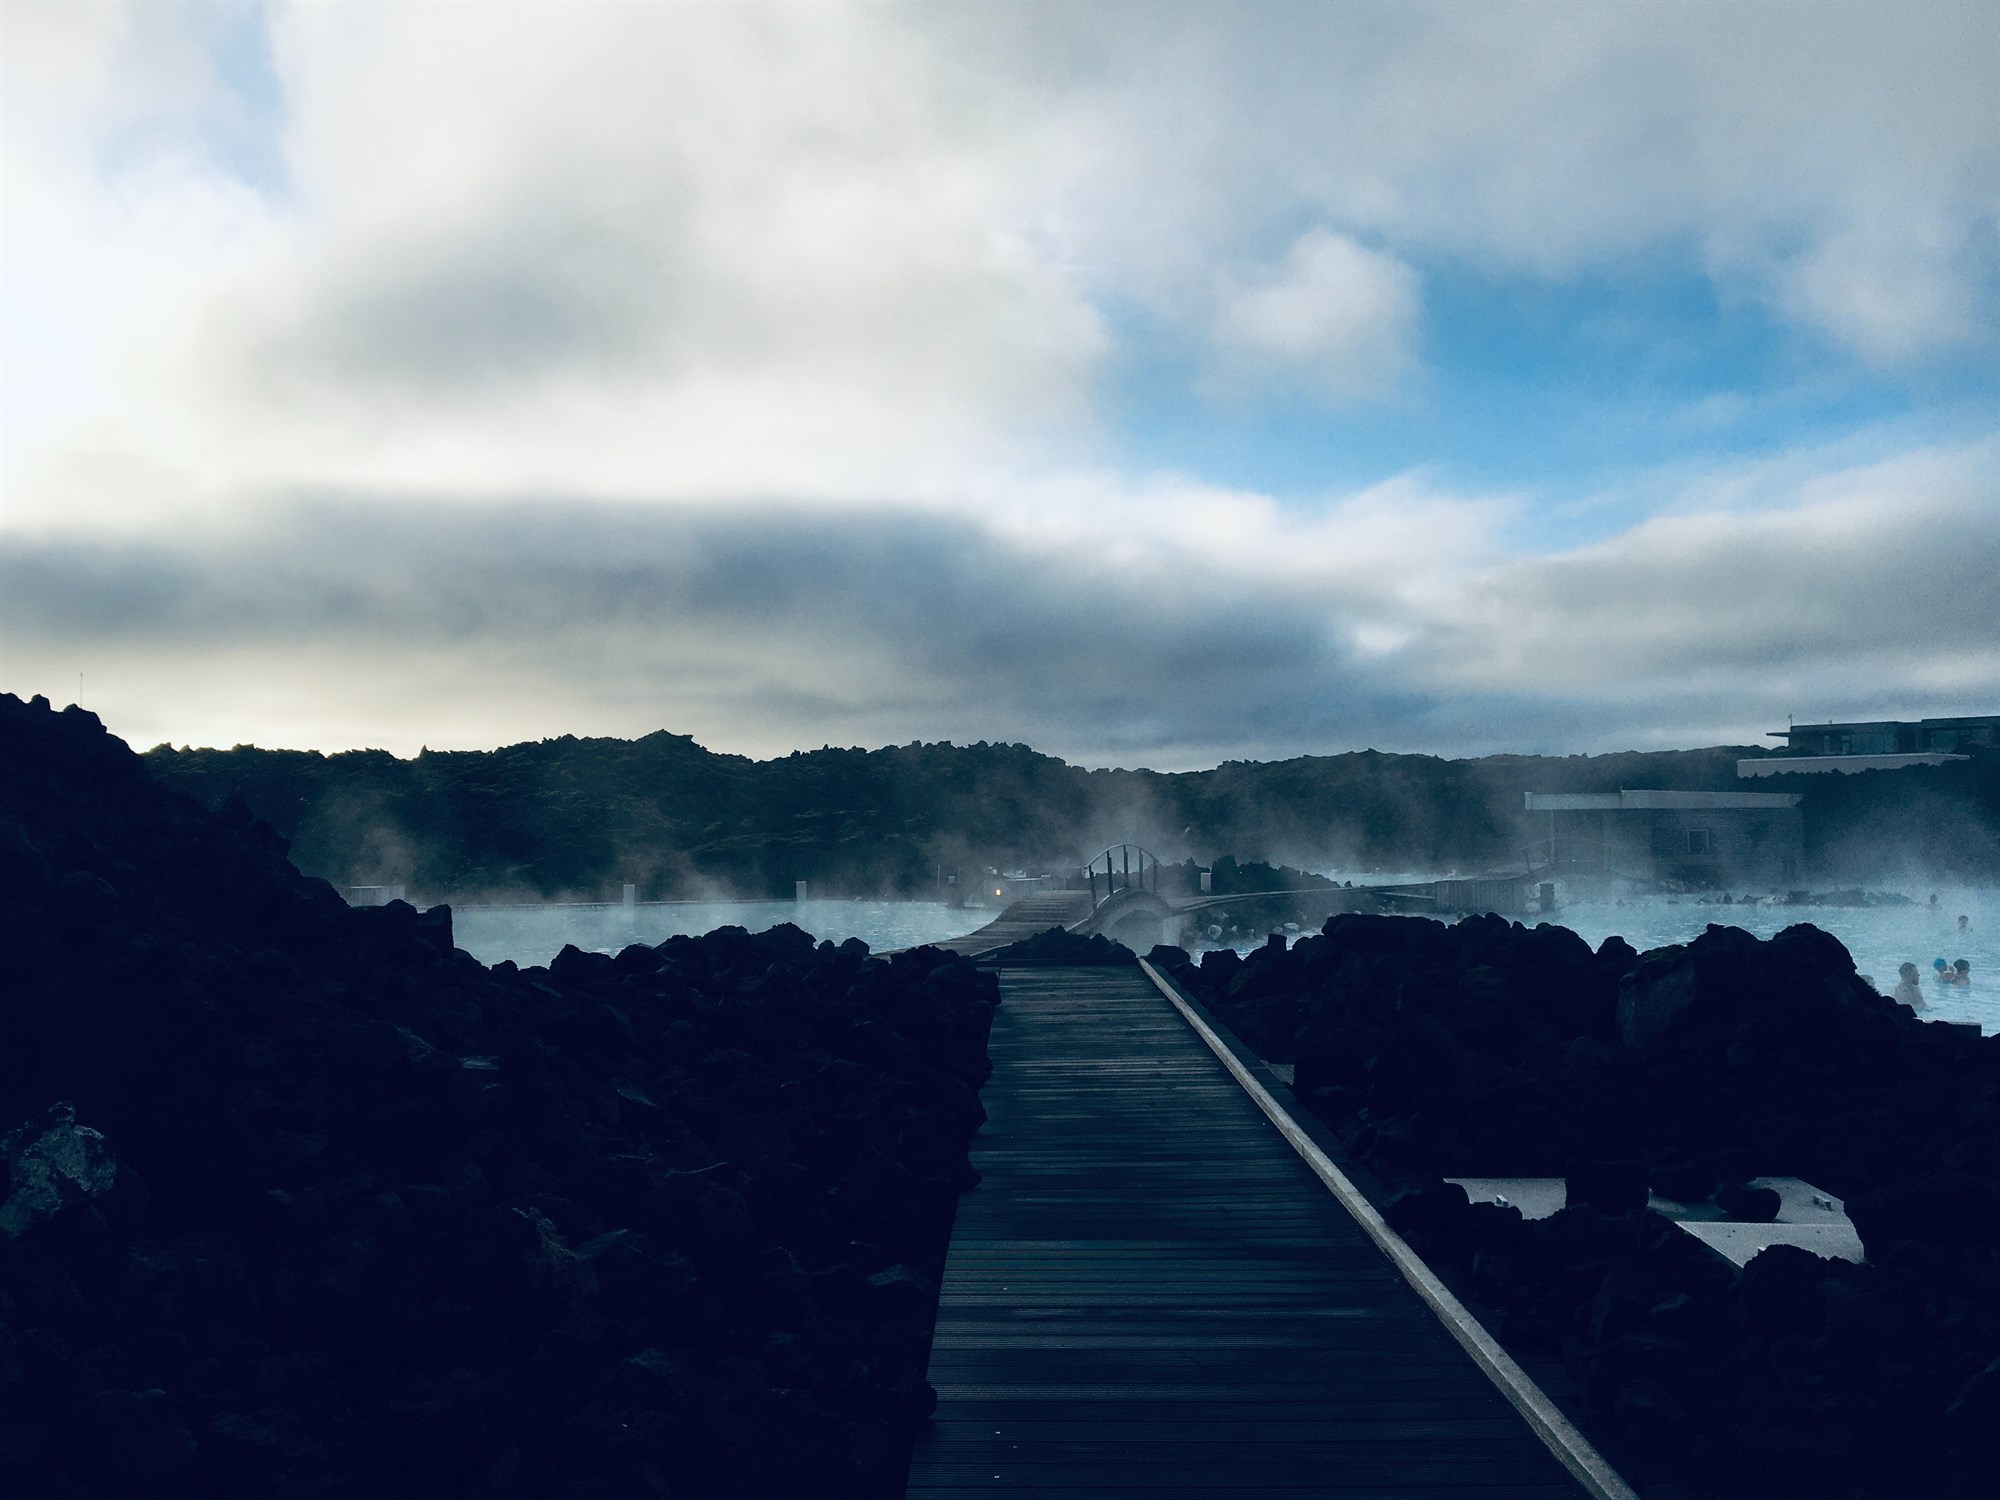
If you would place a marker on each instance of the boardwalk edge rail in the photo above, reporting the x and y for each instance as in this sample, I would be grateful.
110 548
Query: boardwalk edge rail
1574 1451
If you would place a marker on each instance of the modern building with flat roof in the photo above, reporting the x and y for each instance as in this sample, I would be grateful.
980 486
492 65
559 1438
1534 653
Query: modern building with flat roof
1873 745
1696 838
1892 736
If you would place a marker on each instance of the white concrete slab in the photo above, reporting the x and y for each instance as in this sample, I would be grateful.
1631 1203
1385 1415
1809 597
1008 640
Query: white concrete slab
1740 1243
1543 1197
1535 1197
1808 1217
1804 1203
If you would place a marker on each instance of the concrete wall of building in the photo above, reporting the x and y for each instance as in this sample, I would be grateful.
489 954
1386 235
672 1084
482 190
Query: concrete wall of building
1702 846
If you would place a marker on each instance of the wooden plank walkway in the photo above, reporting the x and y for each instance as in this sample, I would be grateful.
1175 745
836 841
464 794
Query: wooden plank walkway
1150 1294
1025 918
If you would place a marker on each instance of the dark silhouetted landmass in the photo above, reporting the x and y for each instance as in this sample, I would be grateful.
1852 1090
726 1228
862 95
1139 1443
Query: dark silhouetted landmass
300 1200
578 817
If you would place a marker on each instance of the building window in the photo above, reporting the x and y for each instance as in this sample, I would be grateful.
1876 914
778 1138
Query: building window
1697 840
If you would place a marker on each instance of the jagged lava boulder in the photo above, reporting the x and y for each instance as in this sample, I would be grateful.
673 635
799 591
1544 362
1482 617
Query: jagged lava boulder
302 1200
1490 1049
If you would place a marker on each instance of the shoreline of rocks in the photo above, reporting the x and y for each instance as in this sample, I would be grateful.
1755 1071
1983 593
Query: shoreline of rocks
1490 1049
301 1199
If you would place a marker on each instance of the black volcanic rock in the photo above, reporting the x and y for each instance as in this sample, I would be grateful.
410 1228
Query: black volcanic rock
302 1200
1607 1186
1937 1208
1746 1204
1490 1049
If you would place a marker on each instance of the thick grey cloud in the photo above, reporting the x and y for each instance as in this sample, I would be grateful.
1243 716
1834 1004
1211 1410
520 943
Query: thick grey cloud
768 626
1888 575
765 627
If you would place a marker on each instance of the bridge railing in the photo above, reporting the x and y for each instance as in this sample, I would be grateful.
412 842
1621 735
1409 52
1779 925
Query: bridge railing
1118 873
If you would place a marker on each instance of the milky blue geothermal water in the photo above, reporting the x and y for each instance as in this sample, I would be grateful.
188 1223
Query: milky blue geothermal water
1880 937
535 934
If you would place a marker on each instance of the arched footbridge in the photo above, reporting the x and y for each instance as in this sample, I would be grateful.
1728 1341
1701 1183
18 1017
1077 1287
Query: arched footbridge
1131 908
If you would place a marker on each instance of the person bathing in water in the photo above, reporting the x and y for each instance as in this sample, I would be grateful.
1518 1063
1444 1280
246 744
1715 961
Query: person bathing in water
1908 991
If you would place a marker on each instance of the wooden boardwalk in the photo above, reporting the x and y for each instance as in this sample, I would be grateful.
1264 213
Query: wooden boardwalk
1149 1293
1024 919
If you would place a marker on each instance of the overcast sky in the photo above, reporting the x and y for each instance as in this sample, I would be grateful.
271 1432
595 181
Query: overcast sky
1155 385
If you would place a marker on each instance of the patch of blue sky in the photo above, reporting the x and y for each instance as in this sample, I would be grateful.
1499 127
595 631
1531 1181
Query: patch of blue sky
240 43
247 135
1576 395
231 118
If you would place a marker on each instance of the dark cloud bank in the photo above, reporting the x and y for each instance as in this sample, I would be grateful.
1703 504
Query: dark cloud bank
772 626
801 623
